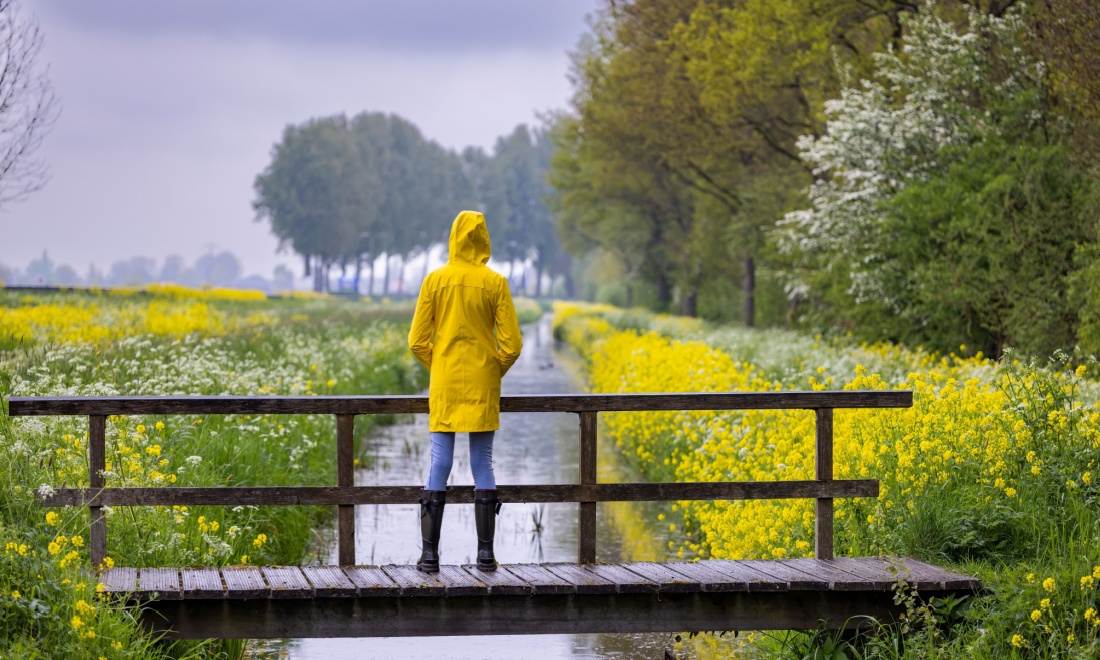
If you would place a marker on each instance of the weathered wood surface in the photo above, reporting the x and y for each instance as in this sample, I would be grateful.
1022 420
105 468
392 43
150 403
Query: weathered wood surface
350 495
586 519
823 467
97 458
345 476
369 405
366 601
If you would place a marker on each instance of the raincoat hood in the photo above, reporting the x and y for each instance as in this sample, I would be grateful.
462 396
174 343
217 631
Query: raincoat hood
469 239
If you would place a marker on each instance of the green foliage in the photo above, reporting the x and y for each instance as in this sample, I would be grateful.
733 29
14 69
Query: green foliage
983 254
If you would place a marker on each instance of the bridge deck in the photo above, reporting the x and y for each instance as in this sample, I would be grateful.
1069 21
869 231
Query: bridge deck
390 601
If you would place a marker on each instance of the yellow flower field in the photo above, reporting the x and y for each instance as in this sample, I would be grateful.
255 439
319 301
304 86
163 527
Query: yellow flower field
971 473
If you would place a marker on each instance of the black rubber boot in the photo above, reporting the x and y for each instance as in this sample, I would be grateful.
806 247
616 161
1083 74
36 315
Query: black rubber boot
431 521
486 508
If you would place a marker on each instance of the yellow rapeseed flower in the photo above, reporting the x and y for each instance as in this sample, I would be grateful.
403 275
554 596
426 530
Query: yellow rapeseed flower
52 518
15 594
78 541
1018 641
1049 584
1036 615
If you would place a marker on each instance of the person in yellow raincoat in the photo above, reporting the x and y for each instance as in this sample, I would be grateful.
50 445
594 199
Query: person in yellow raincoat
464 330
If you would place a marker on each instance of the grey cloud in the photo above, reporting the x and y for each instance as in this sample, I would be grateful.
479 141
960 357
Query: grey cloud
406 25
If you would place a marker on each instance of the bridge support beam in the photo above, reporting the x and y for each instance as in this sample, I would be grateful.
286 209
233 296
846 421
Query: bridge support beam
512 615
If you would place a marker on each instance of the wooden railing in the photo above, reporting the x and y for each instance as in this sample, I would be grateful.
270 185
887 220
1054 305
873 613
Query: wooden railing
345 495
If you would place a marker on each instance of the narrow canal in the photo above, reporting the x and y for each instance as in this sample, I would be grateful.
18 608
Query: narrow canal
530 448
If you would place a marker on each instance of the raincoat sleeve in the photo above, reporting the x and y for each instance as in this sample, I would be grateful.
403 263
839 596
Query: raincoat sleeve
509 338
423 326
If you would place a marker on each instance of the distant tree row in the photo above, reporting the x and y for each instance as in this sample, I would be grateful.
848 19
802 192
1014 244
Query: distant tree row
222 269
342 191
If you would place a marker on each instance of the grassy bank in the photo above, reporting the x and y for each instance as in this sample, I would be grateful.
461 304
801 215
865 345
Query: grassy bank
993 471
97 344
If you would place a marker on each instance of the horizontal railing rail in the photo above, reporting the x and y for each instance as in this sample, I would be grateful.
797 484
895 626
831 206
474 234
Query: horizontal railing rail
345 495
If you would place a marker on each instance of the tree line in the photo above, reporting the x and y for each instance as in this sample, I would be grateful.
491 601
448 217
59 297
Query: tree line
342 191
919 171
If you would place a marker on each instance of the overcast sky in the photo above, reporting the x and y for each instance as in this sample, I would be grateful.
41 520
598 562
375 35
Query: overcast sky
169 109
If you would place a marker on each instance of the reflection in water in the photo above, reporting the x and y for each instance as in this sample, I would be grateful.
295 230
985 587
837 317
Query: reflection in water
530 448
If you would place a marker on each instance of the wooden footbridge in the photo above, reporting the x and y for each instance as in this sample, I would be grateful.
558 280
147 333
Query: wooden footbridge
586 597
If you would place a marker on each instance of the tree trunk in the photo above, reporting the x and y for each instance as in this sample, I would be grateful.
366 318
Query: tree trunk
358 270
538 278
629 294
401 277
664 291
306 258
792 311
386 277
748 284
690 298
370 275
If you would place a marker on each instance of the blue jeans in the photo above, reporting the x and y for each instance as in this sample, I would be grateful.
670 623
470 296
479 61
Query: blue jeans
481 460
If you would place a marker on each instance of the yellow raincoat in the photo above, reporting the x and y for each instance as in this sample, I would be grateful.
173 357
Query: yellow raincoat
461 304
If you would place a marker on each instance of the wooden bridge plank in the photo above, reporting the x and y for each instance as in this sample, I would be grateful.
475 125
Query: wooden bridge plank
414 582
826 571
460 582
876 574
244 582
501 583
745 572
544 581
795 578
202 583
119 581
668 580
372 581
627 581
389 404
583 580
708 578
287 582
934 577
329 581
164 582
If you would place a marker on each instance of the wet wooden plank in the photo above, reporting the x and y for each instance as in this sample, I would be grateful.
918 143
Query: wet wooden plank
414 582
383 404
372 581
543 580
583 580
824 570
460 582
940 577
744 572
668 580
792 576
501 583
876 575
244 582
287 582
202 583
164 582
627 581
329 582
707 577
119 581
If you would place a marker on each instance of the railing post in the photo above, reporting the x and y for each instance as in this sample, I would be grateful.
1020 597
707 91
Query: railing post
586 534
97 463
345 476
823 506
